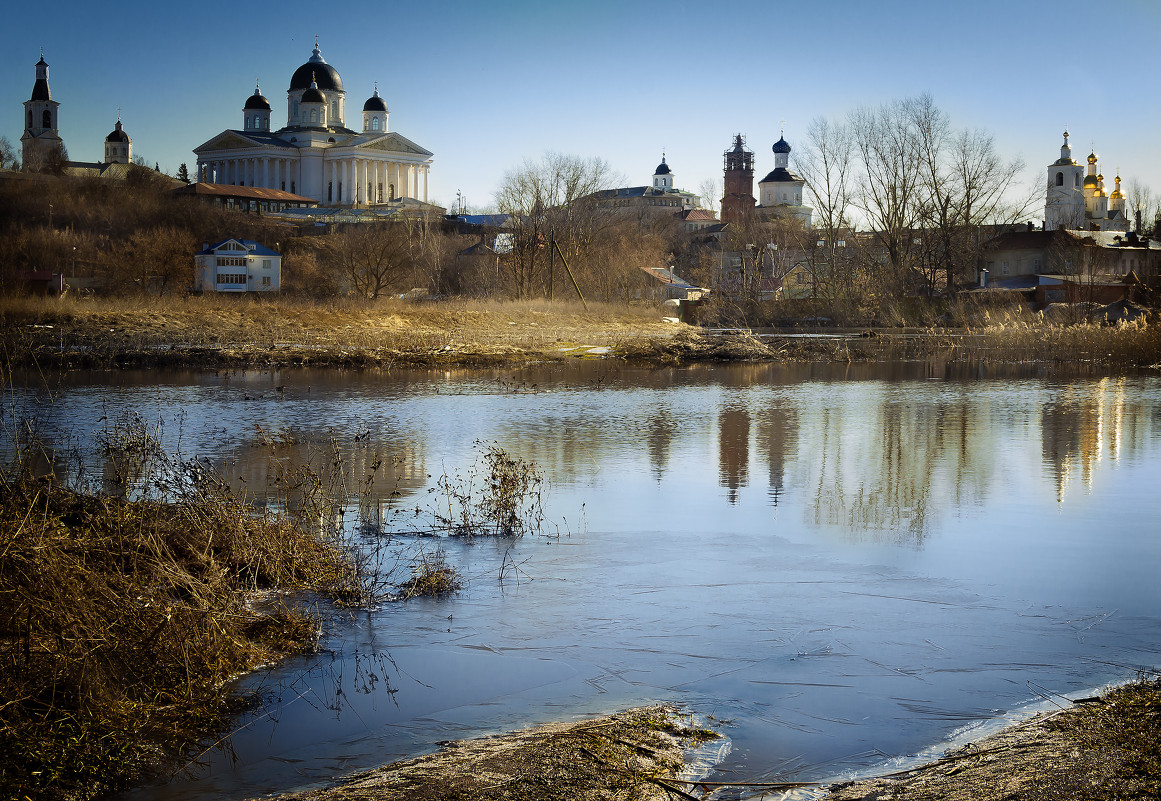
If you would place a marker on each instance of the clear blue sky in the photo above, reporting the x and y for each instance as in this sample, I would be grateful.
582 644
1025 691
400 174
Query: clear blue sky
485 85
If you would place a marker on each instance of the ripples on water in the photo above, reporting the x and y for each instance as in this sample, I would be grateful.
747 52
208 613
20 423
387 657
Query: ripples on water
843 563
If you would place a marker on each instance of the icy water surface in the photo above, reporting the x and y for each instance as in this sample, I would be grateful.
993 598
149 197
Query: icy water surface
845 564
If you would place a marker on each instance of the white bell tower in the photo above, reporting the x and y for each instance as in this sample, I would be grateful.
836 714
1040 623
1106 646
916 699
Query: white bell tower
1064 204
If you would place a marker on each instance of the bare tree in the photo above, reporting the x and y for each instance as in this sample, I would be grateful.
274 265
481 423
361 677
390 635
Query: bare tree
160 259
888 148
965 185
549 201
827 162
373 258
710 192
1141 204
8 159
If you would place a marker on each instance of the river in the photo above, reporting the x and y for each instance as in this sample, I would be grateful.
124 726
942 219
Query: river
838 564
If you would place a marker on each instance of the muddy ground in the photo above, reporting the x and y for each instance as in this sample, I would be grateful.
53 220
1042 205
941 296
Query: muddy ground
630 755
1100 749
240 333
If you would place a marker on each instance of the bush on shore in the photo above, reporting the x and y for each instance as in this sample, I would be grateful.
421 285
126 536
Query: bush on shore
120 621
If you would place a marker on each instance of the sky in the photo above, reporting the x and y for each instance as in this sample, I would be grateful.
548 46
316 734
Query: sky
486 86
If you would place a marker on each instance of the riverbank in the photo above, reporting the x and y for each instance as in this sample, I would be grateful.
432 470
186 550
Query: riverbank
1100 749
1107 748
633 754
248 332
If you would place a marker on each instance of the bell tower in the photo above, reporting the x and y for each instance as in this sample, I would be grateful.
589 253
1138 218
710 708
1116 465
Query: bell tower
738 201
41 135
1064 207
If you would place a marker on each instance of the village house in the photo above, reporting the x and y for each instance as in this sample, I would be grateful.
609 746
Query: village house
237 265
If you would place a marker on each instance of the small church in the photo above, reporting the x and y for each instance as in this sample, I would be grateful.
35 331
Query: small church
779 193
1079 202
41 142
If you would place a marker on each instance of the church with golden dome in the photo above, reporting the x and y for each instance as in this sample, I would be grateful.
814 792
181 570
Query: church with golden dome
1079 202
316 154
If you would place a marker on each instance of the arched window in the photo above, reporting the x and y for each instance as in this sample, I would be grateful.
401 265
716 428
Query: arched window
46 119
334 109
1060 179
314 115
374 123
1076 180
30 118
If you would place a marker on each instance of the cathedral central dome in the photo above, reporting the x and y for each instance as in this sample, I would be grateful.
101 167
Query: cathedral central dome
317 69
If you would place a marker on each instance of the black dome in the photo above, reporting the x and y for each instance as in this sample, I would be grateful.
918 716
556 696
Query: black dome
319 71
375 103
779 174
781 146
257 101
118 134
662 168
313 95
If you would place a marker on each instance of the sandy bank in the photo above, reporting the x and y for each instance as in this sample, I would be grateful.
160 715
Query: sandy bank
633 754
1101 749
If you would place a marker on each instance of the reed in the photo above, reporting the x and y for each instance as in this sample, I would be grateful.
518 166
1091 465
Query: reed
121 619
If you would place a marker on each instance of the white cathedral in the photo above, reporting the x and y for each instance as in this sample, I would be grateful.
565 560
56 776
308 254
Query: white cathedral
315 155
1081 203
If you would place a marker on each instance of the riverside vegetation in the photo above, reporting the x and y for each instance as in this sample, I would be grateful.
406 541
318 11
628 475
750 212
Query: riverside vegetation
237 332
127 608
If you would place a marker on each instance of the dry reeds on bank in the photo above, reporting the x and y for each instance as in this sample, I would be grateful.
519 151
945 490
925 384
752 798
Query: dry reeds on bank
120 621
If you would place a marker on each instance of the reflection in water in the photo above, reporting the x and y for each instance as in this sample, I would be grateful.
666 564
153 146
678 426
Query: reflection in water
734 450
937 543
1088 422
888 459
661 433
777 441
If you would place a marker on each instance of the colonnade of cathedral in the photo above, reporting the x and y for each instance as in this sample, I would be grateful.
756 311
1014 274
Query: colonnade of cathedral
345 181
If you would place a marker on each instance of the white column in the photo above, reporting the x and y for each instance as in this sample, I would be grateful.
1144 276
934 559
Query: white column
333 183
345 183
426 172
411 181
366 188
266 172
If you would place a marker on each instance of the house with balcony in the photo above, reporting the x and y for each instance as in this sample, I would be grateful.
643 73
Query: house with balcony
237 265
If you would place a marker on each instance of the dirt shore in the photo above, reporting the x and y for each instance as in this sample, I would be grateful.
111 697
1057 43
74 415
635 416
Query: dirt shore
1103 749
271 333
634 754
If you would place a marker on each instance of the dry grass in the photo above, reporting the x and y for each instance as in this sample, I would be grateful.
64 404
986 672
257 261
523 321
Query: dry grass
431 576
259 330
354 333
119 622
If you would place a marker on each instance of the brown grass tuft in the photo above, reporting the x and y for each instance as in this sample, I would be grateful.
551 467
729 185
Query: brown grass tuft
119 622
